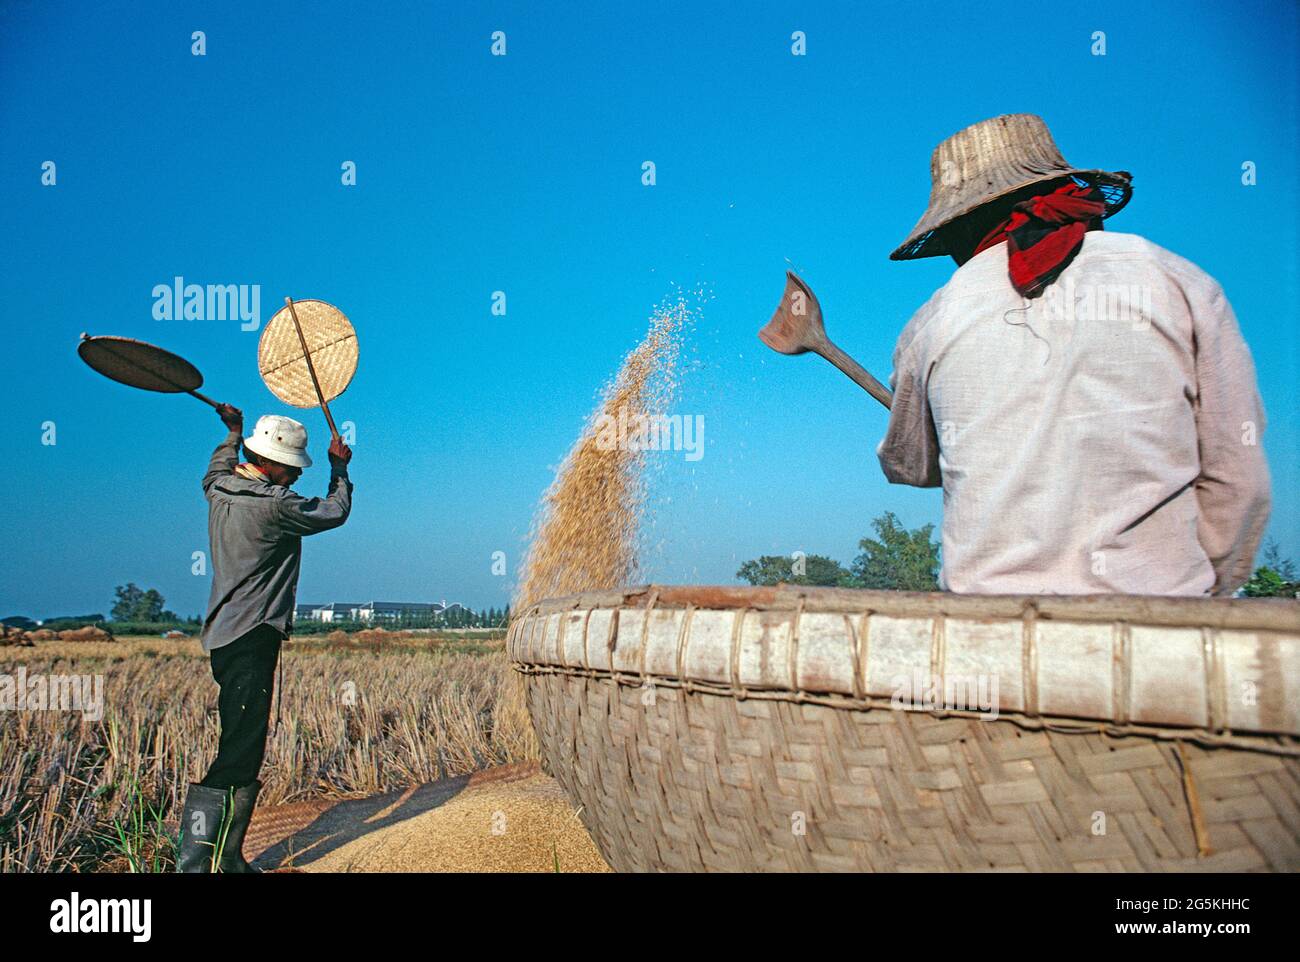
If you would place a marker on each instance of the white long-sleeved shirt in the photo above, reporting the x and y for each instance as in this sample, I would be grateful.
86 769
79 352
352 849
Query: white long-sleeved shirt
1103 437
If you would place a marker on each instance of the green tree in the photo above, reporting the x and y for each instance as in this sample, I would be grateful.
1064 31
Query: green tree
128 599
1275 578
897 559
136 604
772 569
1267 583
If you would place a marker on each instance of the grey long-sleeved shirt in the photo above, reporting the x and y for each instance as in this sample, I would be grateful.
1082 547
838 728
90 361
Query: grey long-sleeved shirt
256 530
1104 437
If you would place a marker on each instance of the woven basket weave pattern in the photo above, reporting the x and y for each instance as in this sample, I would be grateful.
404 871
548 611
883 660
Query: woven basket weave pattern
334 352
700 728
696 781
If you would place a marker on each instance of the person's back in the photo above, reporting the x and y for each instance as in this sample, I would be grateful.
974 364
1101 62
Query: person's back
255 528
1084 397
1070 427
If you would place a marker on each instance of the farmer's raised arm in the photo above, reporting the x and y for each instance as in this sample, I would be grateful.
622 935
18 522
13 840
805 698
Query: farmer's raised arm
303 516
1233 487
909 452
226 456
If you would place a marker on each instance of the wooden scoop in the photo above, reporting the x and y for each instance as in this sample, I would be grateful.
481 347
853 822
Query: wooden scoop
797 328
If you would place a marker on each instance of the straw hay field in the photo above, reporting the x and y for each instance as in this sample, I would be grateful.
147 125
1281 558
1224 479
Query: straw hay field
363 714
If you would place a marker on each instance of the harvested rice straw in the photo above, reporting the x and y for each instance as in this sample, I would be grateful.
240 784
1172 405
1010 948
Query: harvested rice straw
586 534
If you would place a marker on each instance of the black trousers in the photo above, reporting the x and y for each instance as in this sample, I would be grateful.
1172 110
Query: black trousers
245 672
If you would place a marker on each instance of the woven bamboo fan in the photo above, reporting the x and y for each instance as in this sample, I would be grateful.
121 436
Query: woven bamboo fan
790 729
333 345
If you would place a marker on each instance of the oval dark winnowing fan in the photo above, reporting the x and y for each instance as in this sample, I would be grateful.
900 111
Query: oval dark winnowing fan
142 365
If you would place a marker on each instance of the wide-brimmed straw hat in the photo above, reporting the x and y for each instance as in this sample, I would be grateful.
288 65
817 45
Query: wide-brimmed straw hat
989 160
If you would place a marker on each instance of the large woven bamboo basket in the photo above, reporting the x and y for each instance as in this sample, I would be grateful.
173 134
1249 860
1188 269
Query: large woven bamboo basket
805 729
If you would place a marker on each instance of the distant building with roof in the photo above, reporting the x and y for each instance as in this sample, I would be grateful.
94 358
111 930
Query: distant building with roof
374 610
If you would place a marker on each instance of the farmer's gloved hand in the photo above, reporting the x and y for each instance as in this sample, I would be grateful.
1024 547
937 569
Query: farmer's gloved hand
231 417
340 453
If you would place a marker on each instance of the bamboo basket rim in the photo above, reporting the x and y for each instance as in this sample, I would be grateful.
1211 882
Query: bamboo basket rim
1268 743
1264 614
1271 621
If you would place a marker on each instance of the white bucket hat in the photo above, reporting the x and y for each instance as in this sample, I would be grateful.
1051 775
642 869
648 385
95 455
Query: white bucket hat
280 439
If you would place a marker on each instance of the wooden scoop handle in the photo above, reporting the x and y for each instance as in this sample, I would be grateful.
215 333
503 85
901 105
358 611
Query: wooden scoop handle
827 349
311 369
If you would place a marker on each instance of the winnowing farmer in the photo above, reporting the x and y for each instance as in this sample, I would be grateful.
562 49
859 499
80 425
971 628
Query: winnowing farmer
255 524
1084 397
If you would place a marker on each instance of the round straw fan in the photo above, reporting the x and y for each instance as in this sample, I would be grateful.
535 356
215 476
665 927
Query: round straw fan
333 345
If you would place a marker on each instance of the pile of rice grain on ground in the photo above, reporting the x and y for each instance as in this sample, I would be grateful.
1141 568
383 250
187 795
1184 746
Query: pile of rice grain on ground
511 824
587 531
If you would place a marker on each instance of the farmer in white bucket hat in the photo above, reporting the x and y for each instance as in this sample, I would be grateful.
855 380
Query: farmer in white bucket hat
255 524
1085 398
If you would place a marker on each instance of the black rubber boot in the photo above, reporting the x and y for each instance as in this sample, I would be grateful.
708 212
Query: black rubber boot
201 824
232 852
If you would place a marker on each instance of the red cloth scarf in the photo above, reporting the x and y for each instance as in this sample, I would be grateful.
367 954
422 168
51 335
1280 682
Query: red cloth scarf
1044 233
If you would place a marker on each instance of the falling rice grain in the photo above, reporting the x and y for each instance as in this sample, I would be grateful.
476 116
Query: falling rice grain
587 531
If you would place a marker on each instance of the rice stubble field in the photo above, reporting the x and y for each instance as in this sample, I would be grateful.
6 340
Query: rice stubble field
362 715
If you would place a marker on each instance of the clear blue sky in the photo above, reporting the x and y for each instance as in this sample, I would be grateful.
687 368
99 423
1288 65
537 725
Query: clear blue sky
480 173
